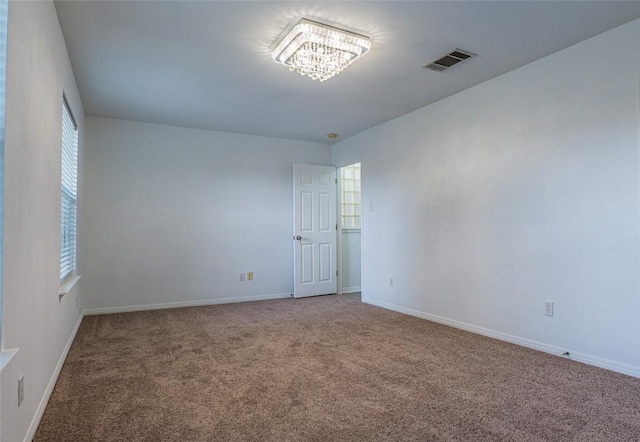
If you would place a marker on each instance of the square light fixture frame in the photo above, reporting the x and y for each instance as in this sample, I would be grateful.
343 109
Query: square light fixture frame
299 42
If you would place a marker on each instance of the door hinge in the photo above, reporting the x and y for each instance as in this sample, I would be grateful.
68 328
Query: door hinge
336 273
336 180
336 227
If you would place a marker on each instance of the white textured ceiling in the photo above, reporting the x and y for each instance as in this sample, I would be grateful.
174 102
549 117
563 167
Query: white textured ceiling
207 64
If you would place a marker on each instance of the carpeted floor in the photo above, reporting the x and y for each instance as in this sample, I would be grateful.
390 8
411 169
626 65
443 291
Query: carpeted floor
322 369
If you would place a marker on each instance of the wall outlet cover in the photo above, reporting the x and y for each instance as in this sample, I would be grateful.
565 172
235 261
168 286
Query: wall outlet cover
548 308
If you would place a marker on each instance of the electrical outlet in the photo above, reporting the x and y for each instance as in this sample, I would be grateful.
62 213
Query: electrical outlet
241 276
249 276
391 282
20 390
548 308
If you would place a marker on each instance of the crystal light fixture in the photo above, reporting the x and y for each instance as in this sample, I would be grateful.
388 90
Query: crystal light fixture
319 51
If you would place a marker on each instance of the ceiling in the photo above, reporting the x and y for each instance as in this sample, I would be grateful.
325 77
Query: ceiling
207 64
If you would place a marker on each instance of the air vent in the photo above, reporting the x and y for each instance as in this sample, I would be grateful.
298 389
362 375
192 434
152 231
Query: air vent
448 61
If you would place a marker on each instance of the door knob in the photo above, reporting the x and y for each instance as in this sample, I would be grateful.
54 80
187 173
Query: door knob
297 238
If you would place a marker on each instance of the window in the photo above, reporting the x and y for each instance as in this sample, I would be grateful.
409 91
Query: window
69 194
351 198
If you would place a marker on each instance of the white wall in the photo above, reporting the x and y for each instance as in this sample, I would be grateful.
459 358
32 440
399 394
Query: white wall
174 215
351 261
519 190
38 70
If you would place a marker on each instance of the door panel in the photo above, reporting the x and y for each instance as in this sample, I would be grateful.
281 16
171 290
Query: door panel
325 212
325 262
306 203
307 264
314 201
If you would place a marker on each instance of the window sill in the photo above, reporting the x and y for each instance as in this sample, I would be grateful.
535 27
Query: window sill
66 286
6 356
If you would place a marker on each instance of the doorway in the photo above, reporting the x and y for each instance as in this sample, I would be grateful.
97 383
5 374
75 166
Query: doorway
350 229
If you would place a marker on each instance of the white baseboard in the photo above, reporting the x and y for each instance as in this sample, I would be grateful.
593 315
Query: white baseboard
351 289
524 342
167 305
52 383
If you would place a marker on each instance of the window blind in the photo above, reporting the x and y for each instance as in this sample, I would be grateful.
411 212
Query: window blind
3 59
69 193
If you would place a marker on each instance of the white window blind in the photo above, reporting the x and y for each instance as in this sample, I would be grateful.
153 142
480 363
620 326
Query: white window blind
3 59
69 193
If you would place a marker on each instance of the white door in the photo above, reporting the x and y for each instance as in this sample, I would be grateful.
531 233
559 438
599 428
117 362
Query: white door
314 230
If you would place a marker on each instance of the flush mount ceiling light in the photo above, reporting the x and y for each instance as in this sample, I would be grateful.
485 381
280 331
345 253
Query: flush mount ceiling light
319 51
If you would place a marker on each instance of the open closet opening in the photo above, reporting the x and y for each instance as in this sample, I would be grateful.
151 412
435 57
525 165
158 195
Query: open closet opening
350 229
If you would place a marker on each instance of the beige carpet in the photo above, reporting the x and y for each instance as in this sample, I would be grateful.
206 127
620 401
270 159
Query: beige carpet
322 369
